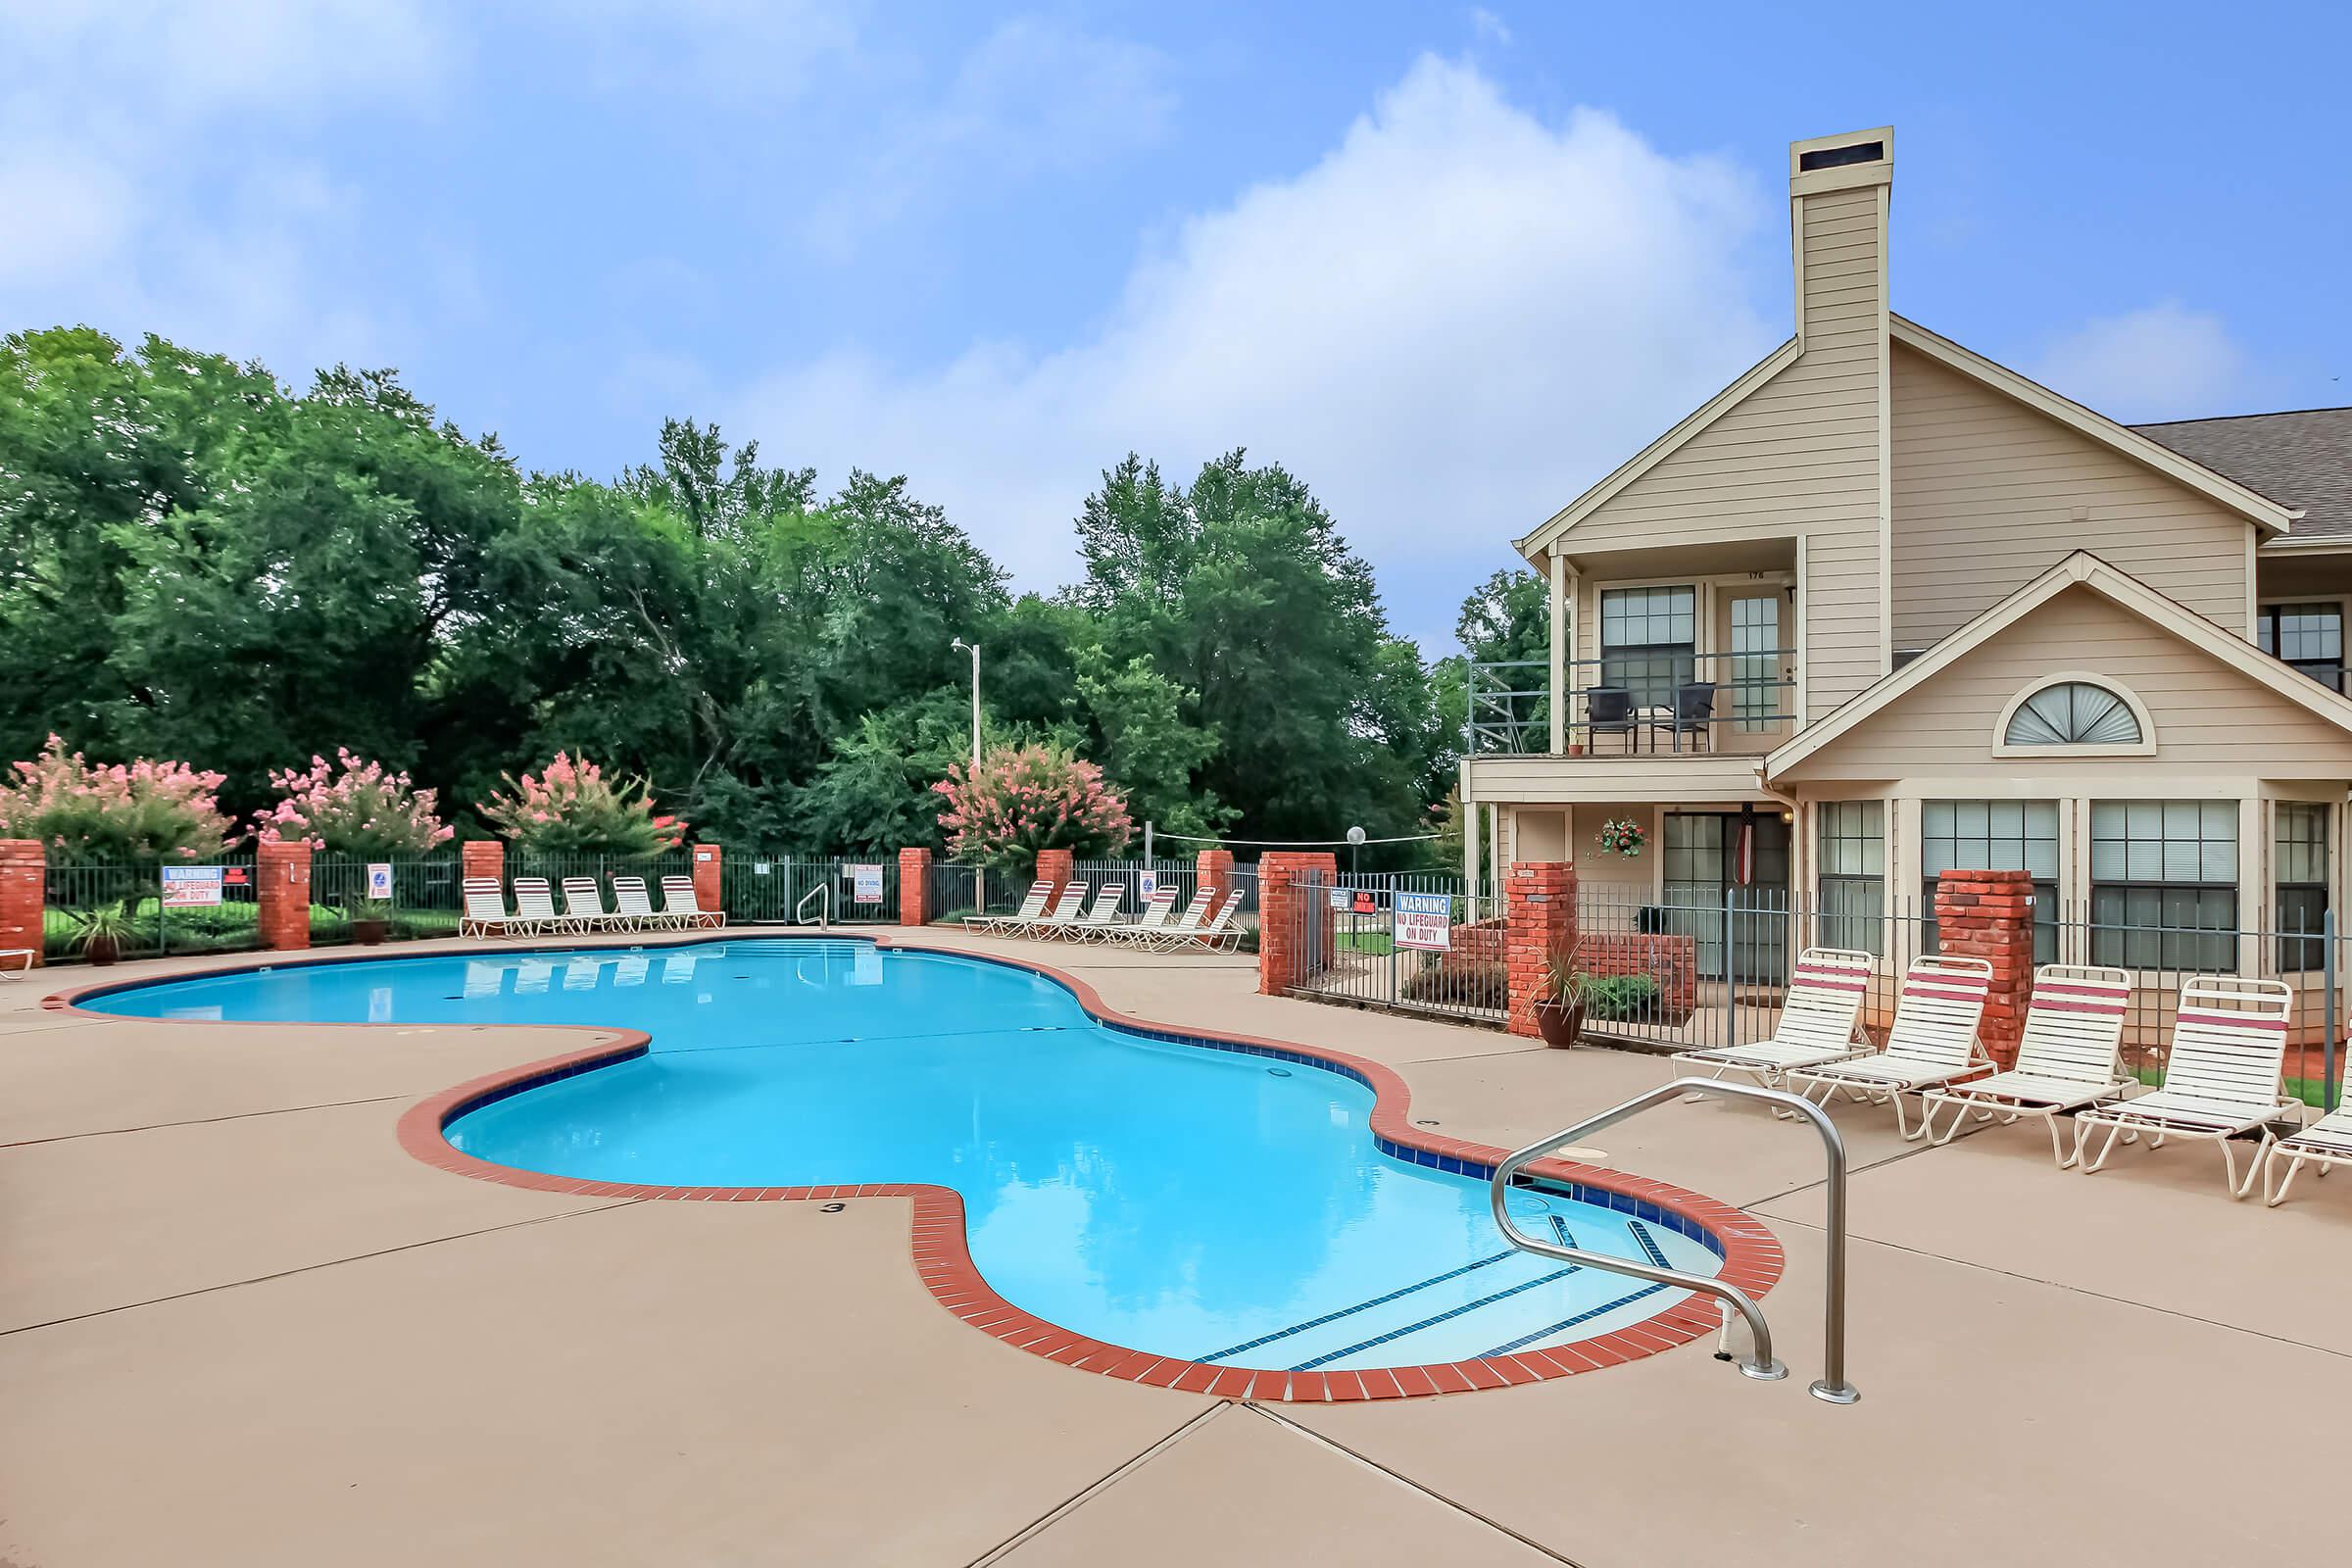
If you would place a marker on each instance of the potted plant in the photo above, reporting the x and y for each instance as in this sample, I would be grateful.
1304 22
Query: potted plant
100 939
1559 1008
370 920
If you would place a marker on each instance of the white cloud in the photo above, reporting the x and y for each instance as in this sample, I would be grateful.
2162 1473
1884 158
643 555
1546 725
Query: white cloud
1488 27
1448 327
1032 97
2163 362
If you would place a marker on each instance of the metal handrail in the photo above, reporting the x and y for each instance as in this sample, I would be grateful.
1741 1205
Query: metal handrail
1831 1386
824 915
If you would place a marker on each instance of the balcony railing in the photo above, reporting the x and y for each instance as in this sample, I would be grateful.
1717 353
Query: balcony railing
1639 703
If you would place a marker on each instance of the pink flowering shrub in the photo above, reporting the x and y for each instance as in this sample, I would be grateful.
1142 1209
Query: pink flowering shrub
355 807
87 814
573 809
1023 799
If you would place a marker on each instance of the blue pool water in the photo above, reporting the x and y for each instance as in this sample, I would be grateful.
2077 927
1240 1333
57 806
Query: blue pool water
1168 1197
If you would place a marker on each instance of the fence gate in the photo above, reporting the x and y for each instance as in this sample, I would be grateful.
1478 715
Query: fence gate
767 888
1418 943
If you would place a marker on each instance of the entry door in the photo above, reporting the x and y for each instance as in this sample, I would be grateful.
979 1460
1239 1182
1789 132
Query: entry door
1705 901
1758 662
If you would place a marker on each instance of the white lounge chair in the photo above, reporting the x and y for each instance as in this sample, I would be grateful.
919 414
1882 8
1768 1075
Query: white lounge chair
22 958
1158 912
1931 1043
1218 932
678 901
2069 1056
1815 1026
535 906
486 911
632 909
1060 917
584 902
1032 908
2324 1143
1184 928
1100 916
2224 1076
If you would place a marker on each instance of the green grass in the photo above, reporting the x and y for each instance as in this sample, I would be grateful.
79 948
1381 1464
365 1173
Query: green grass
1371 941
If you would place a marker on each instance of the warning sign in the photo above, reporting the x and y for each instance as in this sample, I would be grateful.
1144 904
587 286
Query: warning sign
1425 921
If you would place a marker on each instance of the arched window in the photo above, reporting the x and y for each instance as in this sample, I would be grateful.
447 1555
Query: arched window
2074 713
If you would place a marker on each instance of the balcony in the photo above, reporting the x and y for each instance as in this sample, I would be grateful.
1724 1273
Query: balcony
1650 705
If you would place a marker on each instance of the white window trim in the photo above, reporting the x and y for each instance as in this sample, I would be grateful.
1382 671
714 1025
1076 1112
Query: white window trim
2145 746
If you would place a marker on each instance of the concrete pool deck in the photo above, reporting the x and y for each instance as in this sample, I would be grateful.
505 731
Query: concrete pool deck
239 1324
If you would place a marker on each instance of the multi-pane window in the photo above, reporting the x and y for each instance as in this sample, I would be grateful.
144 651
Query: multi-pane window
1648 640
1994 836
2310 637
2302 892
2164 883
1756 692
1850 840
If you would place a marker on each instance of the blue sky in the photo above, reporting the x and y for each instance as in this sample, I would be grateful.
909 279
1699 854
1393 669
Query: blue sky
1448 262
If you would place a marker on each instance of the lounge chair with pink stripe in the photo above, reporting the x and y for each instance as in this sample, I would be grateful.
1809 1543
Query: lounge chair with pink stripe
1931 1043
1816 1021
2069 1056
1033 908
2326 1142
2226 1075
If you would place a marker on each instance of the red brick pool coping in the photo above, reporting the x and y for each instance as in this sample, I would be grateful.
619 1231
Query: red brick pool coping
1752 1258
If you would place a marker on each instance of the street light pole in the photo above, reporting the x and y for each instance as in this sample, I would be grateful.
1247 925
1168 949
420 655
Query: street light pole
974 650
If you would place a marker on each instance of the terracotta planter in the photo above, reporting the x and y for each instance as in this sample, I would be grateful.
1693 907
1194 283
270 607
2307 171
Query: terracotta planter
101 950
367 933
1559 1022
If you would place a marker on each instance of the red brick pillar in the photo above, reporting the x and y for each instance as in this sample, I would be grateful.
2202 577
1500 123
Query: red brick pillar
1989 915
707 892
1057 867
1213 868
283 872
1539 921
483 857
1287 882
914 887
24 885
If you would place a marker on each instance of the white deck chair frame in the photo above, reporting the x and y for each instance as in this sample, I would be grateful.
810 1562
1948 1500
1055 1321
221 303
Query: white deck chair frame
1062 916
1032 905
1218 932
584 903
2325 1143
2225 1075
1183 929
634 907
1932 1042
1818 1023
535 906
678 899
1159 910
2069 1056
1100 916
486 913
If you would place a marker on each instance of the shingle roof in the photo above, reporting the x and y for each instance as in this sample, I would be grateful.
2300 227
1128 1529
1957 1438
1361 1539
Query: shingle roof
2302 459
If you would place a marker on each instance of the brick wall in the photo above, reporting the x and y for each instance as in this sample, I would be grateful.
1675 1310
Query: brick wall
706 881
1538 920
1213 868
483 857
914 887
283 872
1989 915
24 878
1671 961
1287 880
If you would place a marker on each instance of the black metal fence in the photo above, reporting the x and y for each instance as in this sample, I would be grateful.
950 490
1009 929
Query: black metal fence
758 887
150 908
1411 941
415 899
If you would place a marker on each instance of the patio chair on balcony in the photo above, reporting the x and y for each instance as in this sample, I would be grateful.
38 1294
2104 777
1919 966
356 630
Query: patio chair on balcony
2225 1075
1693 715
1815 1026
1931 1043
1610 711
2069 1056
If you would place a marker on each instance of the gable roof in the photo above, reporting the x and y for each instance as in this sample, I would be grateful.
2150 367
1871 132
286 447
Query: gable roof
2303 458
2230 493
2083 569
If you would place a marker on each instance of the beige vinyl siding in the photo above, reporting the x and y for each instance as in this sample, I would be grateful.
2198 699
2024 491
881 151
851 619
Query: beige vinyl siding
2209 718
1541 780
1985 490
1798 456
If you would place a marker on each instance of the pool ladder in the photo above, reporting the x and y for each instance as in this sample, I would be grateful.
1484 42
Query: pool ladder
1831 1386
823 893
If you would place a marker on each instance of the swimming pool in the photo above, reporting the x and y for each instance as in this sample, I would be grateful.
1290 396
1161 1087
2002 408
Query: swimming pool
1196 1205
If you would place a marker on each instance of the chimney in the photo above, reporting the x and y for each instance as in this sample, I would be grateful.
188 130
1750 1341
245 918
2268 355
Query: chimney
1837 194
